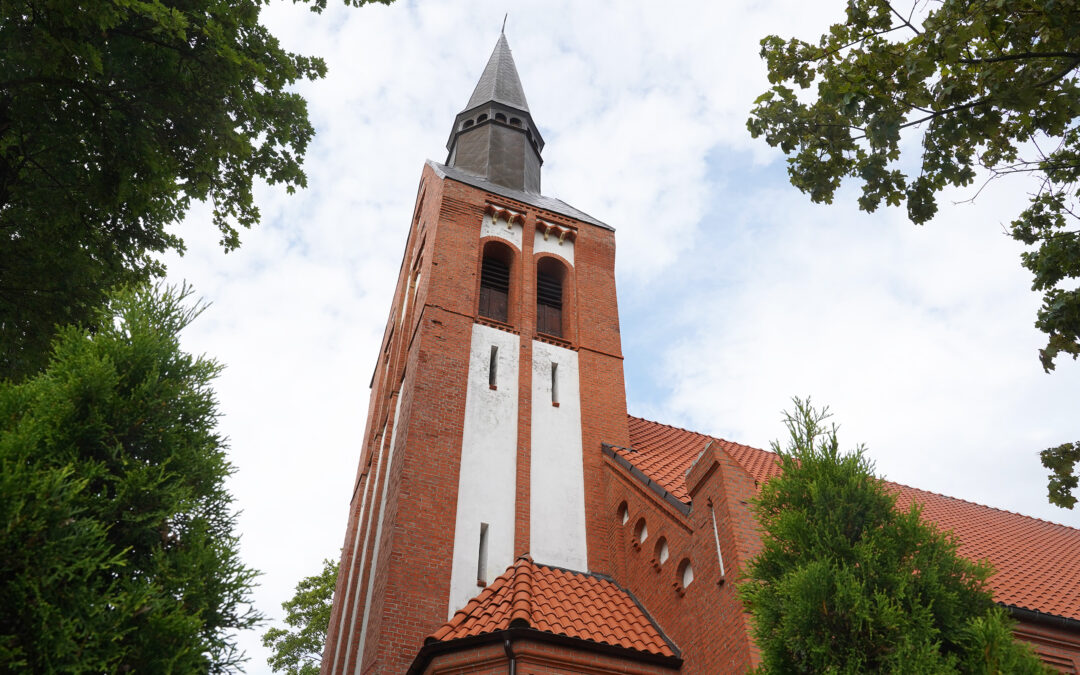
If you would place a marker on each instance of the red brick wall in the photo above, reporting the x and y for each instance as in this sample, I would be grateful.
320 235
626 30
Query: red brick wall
707 623
425 360
705 620
1057 647
539 658
602 384
395 373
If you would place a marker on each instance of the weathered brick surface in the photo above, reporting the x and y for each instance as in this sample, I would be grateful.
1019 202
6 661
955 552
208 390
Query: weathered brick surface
425 362
538 658
705 619
403 575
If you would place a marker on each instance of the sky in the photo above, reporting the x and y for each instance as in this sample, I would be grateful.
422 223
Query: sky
735 291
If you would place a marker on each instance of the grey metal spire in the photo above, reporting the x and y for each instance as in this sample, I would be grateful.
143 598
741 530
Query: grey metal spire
500 81
494 137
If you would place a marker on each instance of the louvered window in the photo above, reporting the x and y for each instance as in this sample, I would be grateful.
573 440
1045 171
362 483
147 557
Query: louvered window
548 304
494 288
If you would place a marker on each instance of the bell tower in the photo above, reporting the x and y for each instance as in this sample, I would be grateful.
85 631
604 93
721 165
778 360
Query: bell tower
498 380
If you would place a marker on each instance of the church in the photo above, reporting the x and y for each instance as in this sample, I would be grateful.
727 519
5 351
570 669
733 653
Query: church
509 516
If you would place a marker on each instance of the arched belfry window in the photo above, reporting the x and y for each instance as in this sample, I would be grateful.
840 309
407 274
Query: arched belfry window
550 276
495 282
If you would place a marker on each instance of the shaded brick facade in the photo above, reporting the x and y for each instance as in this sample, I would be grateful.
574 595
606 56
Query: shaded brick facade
667 526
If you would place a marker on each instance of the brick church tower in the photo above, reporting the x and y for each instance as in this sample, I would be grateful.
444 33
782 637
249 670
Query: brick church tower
509 516
501 364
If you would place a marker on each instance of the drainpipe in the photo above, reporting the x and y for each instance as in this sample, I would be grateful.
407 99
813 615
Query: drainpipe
510 656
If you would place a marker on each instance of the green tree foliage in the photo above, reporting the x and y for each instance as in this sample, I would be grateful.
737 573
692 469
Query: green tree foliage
847 583
117 549
114 116
988 84
1062 464
299 651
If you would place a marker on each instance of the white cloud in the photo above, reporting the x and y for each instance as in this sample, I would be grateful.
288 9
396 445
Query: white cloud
736 292
920 339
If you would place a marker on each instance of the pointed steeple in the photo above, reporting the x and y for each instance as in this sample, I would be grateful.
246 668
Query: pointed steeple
500 81
495 137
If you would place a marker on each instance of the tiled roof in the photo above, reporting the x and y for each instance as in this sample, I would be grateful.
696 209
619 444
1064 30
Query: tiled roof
1036 563
540 201
553 600
666 453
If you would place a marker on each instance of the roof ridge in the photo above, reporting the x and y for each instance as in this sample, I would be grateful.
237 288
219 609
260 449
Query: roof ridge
585 573
465 613
623 589
980 505
521 592
883 478
701 433
581 605
537 200
671 426
648 617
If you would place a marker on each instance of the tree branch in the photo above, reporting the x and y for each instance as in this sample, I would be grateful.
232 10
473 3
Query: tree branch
1024 55
905 22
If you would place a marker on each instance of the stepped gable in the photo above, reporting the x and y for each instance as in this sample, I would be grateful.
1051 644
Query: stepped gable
1036 563
553 600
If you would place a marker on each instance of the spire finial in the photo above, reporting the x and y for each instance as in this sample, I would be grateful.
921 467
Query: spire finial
503 31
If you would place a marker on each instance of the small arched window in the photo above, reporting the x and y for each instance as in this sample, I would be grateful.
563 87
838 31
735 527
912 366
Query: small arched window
500 117
468 123
515 122
495 282
661 552
482 118
550 276
685 573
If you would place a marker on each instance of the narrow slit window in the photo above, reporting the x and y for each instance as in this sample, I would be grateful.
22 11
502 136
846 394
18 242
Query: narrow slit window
481 561
554 384
410 292
405 302
493 368
494 285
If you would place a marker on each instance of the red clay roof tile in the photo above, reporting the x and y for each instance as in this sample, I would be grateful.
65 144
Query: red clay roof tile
550 599
1036 563
666 453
